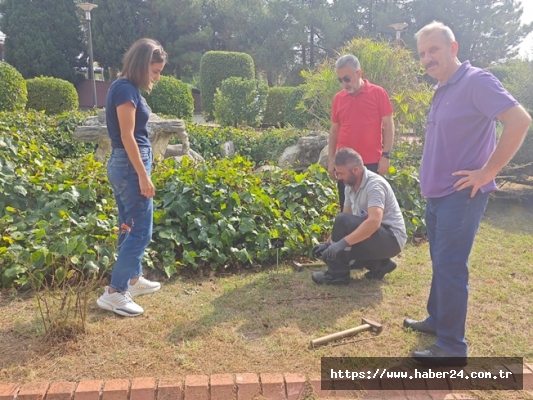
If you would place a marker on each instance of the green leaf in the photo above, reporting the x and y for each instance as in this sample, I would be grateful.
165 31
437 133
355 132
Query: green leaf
20 190
170 270
60 275
14 271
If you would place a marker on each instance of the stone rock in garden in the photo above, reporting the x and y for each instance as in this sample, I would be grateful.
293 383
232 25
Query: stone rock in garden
323 157
160 131
289 156
264 168
227 149
305 153
174 150
193 155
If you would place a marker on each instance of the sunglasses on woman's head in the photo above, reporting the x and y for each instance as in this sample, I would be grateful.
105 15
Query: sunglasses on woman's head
345 79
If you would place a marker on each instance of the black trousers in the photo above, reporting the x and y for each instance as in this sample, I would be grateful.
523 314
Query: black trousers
340 184
382 245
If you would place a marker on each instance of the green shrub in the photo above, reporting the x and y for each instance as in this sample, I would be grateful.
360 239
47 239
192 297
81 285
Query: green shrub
276 105
172 97
521 165
240 102
52 95
58 217
260 147
296 114
223 215
13 92
55 215
216 66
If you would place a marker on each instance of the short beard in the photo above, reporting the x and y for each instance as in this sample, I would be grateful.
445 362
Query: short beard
351 181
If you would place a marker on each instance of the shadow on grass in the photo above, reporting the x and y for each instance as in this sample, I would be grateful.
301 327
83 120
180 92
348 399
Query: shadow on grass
263 303
513 215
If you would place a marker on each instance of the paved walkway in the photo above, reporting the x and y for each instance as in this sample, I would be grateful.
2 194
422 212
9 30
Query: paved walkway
244 386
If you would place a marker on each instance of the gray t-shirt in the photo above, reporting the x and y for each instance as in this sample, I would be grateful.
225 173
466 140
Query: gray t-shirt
375 191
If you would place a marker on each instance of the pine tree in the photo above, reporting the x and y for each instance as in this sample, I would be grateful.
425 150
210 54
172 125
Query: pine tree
487 31
116 25
43 37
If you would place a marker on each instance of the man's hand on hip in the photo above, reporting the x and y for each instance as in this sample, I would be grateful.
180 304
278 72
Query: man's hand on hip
474 179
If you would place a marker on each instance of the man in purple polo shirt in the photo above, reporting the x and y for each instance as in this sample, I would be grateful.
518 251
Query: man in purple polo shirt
459 163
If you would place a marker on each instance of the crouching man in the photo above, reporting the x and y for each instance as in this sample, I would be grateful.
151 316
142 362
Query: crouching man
368 232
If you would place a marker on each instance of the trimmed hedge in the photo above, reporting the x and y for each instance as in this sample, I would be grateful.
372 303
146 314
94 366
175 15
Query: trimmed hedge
13 92
216 66
276 106
172 97
51 95
295 115
240 102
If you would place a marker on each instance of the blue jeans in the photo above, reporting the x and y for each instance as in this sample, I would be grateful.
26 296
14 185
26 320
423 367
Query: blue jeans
452 222
135 216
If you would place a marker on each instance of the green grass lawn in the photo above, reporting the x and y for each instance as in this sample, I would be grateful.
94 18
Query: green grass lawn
263 321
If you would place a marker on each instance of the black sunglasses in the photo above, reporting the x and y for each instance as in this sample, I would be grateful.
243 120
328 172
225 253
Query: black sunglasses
345 79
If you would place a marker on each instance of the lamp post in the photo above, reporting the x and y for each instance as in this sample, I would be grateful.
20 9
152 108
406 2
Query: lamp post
87 7
398 27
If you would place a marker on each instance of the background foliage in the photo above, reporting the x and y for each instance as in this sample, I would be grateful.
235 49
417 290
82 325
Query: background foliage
171 97
240 102
215 67
13 91
283 37
57 212
276 105
44 37
51 95
260 147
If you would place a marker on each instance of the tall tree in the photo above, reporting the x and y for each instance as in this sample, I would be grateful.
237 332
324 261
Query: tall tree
116 24
184 32
43 37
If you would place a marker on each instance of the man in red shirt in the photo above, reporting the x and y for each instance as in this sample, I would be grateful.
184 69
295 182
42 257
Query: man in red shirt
361 119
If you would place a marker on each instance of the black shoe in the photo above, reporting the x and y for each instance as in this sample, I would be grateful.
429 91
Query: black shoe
368 264
434 356
418 326
383 268
324 277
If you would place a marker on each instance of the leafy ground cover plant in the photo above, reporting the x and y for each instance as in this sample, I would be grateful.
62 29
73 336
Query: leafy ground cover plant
259 146
59 214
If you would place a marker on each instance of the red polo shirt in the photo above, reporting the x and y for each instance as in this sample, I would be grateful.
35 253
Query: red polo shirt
359 118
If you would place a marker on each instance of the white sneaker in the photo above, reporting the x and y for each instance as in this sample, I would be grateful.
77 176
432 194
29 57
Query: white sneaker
119 303
143 286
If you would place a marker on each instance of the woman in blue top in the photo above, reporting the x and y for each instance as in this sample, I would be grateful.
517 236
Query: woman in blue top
129 171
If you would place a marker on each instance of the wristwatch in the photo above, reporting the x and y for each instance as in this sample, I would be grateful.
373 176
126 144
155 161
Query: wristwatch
385 154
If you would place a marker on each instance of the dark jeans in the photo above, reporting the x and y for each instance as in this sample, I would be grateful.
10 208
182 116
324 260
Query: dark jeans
340 184
135 216
382 245
452 222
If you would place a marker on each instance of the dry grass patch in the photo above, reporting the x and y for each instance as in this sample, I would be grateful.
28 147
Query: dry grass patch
263 322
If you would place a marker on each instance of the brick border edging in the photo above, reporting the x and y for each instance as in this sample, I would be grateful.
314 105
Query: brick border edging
240 386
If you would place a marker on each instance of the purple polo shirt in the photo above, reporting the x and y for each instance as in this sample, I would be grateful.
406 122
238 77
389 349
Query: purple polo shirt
461 129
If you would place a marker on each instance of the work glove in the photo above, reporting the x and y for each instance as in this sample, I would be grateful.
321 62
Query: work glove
319 249
331 252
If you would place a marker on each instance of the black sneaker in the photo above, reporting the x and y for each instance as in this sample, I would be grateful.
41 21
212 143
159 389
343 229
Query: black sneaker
324 277
380 271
